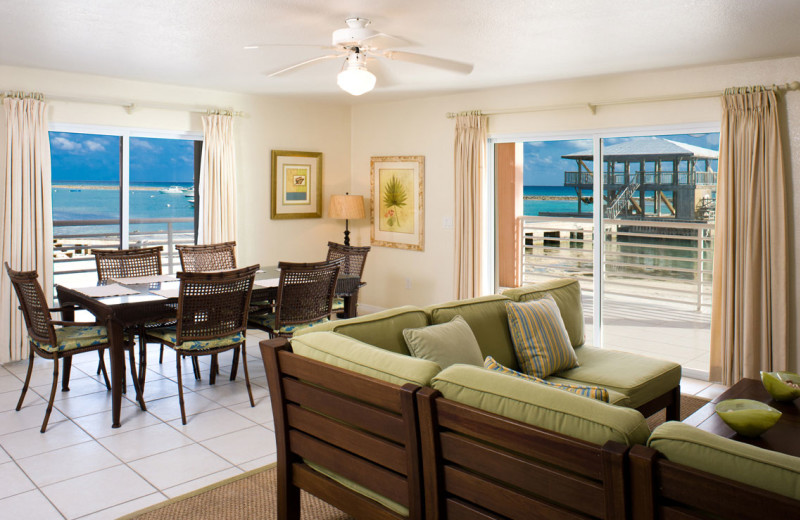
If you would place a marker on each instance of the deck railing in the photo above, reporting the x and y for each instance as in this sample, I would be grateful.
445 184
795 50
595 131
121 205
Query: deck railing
662 178
664 261
72 250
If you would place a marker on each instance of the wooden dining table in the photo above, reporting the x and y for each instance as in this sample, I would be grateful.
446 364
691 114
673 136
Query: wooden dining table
143 302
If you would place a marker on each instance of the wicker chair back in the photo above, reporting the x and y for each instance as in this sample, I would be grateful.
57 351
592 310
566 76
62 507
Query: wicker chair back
354 257
210 257
305 293
34 305
212 305
126 263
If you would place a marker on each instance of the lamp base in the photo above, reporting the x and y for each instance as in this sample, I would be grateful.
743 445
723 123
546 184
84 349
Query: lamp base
347 237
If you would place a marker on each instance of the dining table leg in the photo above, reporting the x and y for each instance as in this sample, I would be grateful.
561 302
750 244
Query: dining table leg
116 340
351 305
67 314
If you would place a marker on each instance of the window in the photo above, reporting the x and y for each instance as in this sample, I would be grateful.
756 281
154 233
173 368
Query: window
120 189
648 289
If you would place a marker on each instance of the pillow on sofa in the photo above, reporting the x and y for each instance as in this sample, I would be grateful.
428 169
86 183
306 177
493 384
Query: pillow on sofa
541 342
594 392
445 344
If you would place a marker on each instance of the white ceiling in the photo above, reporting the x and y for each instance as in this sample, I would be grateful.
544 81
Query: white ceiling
200 42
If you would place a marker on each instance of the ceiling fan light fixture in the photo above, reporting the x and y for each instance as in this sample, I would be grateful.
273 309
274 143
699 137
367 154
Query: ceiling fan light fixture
355 79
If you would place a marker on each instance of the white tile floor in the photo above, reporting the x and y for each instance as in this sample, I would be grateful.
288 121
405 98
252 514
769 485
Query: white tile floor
82 468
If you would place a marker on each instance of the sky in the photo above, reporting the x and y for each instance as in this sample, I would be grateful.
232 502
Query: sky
543 165
89 157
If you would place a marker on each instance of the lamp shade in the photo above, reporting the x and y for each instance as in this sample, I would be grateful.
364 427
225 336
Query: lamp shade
346 207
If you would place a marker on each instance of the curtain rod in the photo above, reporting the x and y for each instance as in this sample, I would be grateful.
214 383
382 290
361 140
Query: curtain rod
131 106
794 85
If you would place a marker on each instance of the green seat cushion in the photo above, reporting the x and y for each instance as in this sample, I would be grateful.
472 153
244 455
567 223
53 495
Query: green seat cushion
542 406
567 294
268 321
541 343
382 329
487 318
345 352
75 336
445 344
641 378
338 304
170 335
592 392
758 467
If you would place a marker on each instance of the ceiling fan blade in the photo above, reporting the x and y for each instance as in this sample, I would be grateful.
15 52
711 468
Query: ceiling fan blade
258 46
430 61
304 63
382 41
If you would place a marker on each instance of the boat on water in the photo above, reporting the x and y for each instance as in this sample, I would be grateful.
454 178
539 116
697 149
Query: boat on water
188 192
172 190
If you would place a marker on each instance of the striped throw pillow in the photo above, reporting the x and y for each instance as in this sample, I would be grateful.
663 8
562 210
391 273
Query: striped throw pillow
594 392
541 342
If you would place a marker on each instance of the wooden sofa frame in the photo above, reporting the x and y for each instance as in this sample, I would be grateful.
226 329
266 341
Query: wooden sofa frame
480 465
661 489
356 426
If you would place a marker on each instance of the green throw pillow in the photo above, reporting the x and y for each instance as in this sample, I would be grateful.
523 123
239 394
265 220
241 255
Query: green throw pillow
541 342
445 344
595 392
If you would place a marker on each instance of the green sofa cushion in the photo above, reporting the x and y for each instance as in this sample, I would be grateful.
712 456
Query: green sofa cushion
690 446
539 405
567 294
382 329
488 320
639 377
445 344
345 352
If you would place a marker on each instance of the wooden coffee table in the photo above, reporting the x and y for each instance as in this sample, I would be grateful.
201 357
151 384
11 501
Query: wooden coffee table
784 437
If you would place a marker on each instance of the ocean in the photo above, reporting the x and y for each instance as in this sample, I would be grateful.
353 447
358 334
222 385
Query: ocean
533 207
82 200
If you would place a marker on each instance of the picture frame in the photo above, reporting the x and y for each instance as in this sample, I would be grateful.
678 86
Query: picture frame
397 202
296 185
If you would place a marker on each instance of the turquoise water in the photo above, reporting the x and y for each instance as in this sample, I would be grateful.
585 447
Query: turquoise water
79 203
533 208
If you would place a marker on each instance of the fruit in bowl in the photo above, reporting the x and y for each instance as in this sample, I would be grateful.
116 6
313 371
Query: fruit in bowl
782 386
747 417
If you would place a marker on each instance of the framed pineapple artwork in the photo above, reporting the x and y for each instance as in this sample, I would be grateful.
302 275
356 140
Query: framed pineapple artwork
397 209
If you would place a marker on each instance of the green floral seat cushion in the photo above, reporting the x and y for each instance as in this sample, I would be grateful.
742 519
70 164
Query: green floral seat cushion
338 304
268 321
75 336
170 334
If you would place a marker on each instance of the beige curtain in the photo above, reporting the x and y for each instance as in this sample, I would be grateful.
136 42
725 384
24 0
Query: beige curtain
470 166
27 230
217 188
749 316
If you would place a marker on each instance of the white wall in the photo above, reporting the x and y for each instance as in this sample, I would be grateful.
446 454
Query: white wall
419 127
270 124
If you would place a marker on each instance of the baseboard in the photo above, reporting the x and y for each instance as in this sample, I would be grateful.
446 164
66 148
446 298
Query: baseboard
694 373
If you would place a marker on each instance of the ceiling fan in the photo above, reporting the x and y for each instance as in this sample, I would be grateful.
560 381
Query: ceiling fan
356 43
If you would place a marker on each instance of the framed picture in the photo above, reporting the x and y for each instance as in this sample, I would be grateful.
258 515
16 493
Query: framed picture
397 209
296 184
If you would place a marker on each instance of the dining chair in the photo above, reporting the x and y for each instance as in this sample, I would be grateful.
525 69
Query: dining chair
305 297
49 342
206 258
212 318
355 258
128 263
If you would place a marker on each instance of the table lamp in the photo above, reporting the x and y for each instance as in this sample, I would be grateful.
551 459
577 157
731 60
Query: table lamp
347 207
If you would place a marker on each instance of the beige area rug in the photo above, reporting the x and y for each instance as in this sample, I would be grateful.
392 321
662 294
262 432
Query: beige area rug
689 405
252 495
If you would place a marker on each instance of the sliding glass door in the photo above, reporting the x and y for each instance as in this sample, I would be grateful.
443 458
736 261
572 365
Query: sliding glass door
648 201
